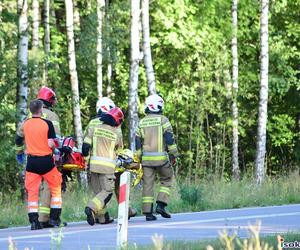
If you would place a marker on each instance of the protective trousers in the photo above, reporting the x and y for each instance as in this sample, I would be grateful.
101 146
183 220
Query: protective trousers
32 184
165 177
45 199
102 186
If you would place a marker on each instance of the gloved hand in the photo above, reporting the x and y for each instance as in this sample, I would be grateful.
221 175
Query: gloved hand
172 160
20 158
57 157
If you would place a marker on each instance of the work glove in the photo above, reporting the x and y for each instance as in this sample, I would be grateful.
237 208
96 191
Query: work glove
57 157
172 160
20 158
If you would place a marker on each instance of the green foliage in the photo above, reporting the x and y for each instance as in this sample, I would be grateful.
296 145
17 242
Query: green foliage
207 195
190 42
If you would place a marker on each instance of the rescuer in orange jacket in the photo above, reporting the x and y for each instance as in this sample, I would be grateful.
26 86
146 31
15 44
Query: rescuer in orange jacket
157 150
39 135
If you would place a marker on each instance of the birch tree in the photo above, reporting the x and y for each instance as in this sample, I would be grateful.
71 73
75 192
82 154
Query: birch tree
22 88
108 51
147 48
263 94
35 24
46 21
35 39
134 72
235 135
73 72
100 14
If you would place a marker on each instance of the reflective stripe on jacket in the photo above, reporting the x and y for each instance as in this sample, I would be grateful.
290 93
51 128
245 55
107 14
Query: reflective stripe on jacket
104 140
154 140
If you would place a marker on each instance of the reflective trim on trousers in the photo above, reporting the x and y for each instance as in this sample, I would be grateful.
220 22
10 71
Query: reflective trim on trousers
55 199
148 199
164 190
32 210
32 203
44 210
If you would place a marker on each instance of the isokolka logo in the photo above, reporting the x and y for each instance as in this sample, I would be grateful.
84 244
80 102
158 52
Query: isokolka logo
289 245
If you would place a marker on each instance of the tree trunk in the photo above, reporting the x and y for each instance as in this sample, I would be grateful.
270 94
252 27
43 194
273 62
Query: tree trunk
235 121
73 72
134 72
100 14
22 89
147 48
35 24
35 43
109 57
263 95
46 21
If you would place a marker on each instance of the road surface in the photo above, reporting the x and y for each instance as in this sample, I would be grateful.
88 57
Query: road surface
183 226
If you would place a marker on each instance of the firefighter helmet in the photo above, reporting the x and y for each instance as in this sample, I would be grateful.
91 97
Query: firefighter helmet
104 104
117 115
47 95
154 103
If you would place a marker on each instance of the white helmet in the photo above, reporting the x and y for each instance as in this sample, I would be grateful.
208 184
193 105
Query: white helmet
104 104
154 103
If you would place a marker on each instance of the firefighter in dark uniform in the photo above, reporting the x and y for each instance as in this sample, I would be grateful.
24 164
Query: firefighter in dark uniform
157 150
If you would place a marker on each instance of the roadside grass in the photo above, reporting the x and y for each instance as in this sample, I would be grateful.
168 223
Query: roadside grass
254 241
265 243
207 195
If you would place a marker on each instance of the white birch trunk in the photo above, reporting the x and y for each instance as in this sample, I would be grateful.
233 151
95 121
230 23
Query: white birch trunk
22 89
134 72
109 59
235 122
100 14
35 42
35 24
46 21
73 72
263 95
147 48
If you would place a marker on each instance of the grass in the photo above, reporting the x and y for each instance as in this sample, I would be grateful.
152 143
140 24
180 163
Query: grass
207 195
225 242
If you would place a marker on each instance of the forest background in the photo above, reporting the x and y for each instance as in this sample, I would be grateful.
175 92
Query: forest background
191 52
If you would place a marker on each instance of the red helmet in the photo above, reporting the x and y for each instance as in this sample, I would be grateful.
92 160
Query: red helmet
47 94
117 114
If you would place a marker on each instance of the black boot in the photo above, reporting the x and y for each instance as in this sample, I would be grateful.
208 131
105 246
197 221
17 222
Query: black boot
34 221
150 217
90 216
107 219
160 209
131 212
54 220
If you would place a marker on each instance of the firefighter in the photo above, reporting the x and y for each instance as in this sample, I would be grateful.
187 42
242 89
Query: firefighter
48 97
157 150
39 135
101 141
103 105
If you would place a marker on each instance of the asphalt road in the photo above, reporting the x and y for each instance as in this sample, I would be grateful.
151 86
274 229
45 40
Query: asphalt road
184 226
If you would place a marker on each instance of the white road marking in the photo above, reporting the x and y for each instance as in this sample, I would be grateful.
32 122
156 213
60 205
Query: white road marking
225 219
157 225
